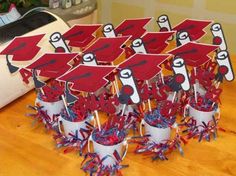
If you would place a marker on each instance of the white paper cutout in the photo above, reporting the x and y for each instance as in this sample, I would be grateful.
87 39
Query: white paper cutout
108 31
57 41
89 59
218 32
127 79
138 46
164 23
223 59
180 68
183 38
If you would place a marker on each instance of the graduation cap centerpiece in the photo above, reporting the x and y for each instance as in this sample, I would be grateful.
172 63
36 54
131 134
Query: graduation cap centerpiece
129 27
194 54
87 79
144 66
53 65
110 148
21 49
194 28
152 42
76 90
81 35
106 50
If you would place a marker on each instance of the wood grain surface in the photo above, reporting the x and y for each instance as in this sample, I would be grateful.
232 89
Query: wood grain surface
27 150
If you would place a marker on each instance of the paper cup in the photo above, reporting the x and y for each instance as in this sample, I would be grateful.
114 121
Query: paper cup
200 116
52 108
157 135
71 128
108 150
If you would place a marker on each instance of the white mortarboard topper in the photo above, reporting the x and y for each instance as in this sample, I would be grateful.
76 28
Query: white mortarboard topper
89 59
180 69
182 38
138 46
58 42
164 24
108 31
219 38
223 60
129 89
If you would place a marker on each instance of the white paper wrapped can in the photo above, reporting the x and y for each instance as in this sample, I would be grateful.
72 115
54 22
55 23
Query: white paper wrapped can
52 108
157 135
107 151
200 116
71 129
108 31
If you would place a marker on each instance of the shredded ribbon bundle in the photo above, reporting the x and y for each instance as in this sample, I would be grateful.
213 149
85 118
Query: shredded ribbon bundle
203 131
74 143
42 116
158 150
92 164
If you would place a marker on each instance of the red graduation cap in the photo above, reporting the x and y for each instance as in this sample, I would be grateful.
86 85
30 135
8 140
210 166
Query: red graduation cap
81 35
195 28
194 54
144 66
52 65
87 78
156 42
107 49
133 27
23 48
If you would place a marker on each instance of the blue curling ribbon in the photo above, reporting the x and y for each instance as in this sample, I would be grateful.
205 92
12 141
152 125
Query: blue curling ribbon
73 116
206 104
205 132
94 165
156 119
102 136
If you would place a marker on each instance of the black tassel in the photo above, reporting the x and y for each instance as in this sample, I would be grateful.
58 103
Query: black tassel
69 97
38 84
11 67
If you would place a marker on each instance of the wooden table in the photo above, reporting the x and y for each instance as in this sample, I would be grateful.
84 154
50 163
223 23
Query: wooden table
27 150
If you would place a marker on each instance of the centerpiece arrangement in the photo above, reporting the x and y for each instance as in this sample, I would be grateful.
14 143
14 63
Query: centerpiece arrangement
156 93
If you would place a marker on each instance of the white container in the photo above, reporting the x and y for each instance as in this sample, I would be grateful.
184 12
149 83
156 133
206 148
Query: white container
52 108
200 116
157 135
108 150
70 128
